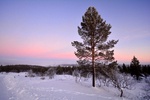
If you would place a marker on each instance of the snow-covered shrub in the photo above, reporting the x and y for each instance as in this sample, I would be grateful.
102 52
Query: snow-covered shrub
77 74
121 81
51 73
117 79
126 80
30 73
81 74
102 79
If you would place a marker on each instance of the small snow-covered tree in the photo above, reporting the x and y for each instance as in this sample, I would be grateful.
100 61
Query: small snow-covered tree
102 79
77 74
118 80
81 73
30 73
51 72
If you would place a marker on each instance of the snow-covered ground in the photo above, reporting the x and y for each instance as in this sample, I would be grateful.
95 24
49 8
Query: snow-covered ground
15 86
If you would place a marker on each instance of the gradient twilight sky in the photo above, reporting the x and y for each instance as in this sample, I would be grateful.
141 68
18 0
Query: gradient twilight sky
40 32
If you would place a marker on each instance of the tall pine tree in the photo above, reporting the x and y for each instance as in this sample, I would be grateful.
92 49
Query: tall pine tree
95 49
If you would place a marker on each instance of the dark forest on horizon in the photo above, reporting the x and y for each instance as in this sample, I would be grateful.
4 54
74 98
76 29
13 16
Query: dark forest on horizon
138 72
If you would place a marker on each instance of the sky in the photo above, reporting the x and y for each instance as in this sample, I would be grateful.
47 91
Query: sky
40 32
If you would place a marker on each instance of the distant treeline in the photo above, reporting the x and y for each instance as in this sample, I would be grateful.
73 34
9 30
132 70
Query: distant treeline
135 71
36 69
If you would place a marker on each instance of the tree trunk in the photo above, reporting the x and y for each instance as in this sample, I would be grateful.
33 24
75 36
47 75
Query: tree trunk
121 92
93 60
93 65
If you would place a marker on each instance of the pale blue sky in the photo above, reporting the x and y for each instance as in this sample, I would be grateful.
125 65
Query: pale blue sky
41 31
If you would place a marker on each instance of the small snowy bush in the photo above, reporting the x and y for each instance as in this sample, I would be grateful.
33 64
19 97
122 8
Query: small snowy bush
117 79
51 73
30 73
101 79
77 74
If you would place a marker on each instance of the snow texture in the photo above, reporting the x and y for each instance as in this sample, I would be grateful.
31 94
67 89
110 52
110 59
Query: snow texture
16 86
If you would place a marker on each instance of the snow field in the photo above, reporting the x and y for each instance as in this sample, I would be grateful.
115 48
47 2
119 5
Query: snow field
62 87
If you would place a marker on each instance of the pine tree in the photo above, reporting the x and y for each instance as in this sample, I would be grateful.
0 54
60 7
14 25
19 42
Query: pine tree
95 49
124 68
135 68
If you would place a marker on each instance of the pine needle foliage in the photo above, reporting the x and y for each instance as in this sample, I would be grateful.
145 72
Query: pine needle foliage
95 49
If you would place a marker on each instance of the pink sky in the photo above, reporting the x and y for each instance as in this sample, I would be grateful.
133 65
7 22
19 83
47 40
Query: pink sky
33 30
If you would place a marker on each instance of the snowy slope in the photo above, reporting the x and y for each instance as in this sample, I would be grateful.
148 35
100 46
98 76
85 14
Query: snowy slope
63 87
